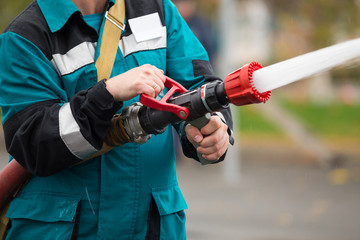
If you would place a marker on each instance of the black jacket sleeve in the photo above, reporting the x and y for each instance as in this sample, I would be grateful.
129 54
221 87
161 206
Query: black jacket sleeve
33 135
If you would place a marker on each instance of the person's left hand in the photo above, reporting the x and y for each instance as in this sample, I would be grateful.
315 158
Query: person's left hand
213 138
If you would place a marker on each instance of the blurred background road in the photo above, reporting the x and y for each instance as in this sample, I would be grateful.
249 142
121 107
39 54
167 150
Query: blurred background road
294 173
280 195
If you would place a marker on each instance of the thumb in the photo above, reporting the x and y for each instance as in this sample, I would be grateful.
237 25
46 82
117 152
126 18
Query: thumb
193 134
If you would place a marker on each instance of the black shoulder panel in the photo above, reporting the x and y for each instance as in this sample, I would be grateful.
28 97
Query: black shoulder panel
138 8
31 25
202 68
75 32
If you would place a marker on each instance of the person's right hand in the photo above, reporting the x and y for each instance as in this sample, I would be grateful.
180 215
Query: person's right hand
146 79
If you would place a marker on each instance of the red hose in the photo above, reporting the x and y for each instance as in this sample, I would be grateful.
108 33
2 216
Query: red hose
12 177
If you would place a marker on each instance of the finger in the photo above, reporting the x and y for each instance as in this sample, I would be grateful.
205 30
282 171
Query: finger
149 86
154 82
193 134
159 78
219 135
156 85
217 154
220 146
160 74
148 89
212 143
159 83
154 71
213 156
213 124
157 89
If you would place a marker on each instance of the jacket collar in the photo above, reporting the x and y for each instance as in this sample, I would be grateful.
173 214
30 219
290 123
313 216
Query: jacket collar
58 12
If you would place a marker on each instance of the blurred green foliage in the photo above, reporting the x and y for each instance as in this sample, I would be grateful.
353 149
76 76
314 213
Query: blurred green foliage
340 120
334 119
9 9
251 121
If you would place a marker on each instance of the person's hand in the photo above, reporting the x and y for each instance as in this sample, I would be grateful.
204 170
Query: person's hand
146 79
213 138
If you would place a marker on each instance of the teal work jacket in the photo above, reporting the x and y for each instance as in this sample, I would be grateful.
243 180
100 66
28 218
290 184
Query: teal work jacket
56 114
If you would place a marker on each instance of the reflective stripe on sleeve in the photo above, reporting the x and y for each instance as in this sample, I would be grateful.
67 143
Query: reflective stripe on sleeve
71 135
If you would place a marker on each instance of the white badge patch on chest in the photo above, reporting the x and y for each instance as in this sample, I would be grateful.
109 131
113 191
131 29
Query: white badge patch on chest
146 27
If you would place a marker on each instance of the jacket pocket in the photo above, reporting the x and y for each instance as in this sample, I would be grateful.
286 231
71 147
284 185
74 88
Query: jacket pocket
42 217
171 205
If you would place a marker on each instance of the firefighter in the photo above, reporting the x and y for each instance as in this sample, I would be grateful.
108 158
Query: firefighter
56 113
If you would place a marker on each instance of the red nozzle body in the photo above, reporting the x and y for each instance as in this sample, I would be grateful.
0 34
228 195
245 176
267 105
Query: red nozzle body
240 89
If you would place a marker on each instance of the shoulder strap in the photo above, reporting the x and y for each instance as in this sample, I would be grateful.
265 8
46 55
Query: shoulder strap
114 24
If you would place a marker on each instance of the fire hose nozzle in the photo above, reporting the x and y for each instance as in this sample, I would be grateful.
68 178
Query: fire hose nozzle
240 88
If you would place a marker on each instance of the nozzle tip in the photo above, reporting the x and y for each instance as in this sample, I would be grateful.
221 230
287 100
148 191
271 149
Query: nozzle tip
240 89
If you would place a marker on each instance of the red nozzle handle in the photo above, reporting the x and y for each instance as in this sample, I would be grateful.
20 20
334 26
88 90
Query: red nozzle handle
163 105
239 87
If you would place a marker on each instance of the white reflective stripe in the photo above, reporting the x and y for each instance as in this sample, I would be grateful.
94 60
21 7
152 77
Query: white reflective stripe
76 58
71 135
129 45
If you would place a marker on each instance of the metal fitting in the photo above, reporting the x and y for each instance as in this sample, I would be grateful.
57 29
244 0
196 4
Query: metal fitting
132 124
